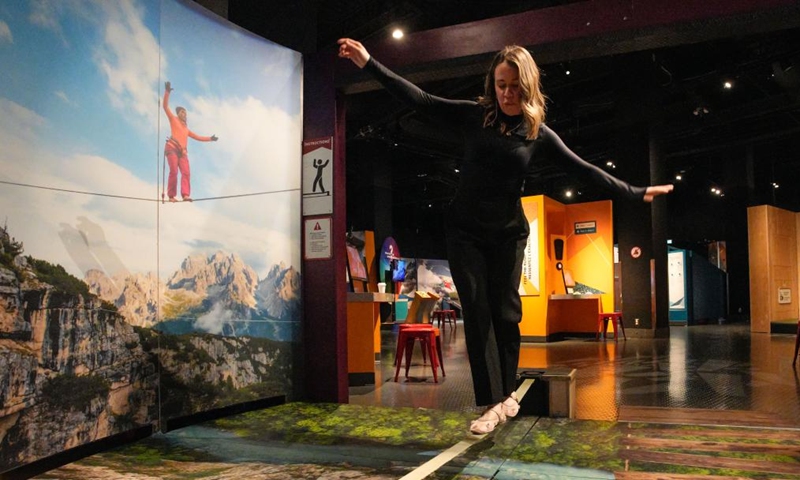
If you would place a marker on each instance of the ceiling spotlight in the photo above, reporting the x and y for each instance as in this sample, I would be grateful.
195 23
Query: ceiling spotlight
397 34
727 85
567 72
610 164
457 170
775 185
679 177
568 194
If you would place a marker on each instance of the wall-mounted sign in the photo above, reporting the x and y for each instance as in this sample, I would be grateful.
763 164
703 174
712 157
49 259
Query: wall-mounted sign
317 238
784 295
582 228
636 252
318 176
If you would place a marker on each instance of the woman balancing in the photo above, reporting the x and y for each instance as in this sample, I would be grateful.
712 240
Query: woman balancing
503 133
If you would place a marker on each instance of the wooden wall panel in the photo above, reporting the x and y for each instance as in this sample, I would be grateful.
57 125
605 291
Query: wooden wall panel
758 236
773 246
783 262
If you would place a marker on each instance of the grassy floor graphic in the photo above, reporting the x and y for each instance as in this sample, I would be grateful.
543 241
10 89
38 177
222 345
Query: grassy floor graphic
331 441
328 424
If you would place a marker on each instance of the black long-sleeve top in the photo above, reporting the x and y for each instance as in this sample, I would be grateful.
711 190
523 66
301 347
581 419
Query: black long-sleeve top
495 164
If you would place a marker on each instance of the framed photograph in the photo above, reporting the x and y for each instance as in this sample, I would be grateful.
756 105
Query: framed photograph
357 269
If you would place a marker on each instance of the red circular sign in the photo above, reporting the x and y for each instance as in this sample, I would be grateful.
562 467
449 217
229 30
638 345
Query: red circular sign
636 252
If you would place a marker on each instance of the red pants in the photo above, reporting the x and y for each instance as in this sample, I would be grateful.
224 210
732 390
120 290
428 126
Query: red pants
178 159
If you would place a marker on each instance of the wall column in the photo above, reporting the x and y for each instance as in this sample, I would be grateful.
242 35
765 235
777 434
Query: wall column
324 281
641 227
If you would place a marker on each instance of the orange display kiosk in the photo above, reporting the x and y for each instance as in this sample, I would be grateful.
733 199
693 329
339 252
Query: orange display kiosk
364 335
549 312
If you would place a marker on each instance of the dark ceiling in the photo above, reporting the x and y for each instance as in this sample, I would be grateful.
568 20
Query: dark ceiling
740 140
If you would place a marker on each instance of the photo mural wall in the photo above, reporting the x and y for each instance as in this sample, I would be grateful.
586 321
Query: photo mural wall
150 199
428 275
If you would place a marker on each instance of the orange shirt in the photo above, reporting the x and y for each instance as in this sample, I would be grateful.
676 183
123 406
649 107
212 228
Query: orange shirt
180 131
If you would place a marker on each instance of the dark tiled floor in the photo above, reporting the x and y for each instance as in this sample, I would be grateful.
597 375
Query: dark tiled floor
716 367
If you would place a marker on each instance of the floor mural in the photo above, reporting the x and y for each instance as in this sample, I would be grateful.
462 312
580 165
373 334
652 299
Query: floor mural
331 441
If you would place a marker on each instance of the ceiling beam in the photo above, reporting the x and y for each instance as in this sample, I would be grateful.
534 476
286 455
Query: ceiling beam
585 29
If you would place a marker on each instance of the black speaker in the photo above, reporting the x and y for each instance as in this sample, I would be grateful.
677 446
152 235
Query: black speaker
558 245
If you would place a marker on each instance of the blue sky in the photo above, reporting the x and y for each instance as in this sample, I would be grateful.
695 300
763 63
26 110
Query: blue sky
80 92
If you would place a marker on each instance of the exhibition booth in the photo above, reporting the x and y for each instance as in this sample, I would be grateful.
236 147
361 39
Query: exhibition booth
567 279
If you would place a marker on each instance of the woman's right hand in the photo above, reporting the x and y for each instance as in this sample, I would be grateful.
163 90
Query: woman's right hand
354 50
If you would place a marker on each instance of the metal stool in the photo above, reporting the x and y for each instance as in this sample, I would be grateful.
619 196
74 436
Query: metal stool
445 316
602 324
428 335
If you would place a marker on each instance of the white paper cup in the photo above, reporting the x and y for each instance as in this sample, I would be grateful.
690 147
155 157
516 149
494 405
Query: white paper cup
381 287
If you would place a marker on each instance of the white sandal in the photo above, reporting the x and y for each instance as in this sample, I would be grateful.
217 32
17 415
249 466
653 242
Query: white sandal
510 405
488 421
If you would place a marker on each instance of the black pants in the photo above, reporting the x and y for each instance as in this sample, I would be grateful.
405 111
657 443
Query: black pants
485 249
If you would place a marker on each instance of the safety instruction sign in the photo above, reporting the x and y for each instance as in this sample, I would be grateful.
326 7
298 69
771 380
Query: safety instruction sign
317 238
318 176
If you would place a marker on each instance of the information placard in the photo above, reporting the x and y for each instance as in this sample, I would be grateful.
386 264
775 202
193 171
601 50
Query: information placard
317 238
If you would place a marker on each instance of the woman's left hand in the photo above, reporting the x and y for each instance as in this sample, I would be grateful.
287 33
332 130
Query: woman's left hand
354 50
656 190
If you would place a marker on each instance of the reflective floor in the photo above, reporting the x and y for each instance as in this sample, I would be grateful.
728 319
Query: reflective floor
712 402
714 367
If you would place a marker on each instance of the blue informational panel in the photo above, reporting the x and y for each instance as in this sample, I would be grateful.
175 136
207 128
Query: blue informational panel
678 311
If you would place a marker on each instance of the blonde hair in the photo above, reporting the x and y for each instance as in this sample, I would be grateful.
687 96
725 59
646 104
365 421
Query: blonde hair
532 99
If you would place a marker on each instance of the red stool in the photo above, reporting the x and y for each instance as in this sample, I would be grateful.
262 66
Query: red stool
410 343
445 316
428 335
796 344
602 324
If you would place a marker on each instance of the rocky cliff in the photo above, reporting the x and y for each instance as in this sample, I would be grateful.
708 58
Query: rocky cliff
71 371
202 371
279 294
74 368
134 295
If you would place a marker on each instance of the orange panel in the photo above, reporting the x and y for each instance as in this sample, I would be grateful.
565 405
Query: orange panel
362 319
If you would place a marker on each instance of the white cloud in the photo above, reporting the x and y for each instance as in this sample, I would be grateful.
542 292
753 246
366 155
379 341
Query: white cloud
264 235
263 230
45 14
214 321
279 57
254 142
5 33
17 123
63 96
126 58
